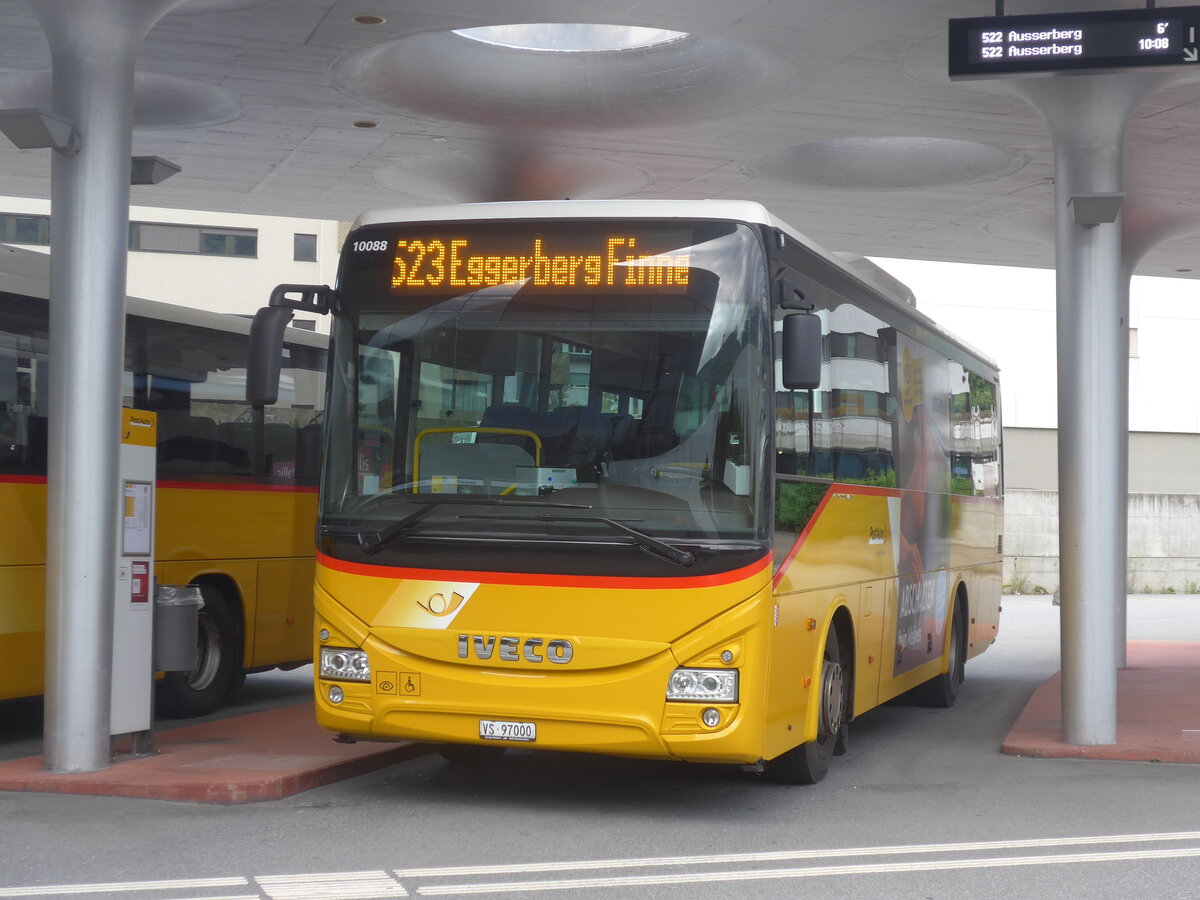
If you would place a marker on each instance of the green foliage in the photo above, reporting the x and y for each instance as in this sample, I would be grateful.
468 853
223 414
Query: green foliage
795 503
962 484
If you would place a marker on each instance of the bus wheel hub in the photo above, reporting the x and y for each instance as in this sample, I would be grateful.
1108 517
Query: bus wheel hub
832 698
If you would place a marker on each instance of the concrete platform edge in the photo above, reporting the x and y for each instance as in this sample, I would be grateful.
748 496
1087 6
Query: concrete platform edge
239 759
1158 718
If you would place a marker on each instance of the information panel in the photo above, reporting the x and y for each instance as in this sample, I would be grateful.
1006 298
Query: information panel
1058 42
629 258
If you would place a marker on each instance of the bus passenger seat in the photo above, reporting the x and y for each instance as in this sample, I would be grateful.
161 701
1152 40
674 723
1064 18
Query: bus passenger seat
308 457
235 447
186 443
559 434
591 437
620 435
510 415
280 441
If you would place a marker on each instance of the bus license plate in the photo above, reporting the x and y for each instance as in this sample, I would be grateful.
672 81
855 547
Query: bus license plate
507 731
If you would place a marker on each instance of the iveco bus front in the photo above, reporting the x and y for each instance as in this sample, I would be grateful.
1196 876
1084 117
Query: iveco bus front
547 504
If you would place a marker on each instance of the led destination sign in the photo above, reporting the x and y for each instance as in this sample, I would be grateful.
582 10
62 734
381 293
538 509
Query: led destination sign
596 260
1119 39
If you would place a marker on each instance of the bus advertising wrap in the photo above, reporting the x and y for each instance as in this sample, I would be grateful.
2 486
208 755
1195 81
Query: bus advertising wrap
921 515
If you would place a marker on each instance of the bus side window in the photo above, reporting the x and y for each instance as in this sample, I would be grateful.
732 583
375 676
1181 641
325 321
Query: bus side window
23 374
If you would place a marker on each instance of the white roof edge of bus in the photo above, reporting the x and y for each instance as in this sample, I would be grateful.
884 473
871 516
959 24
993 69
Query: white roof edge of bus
878 277
856 265
884 281
742 210
28 272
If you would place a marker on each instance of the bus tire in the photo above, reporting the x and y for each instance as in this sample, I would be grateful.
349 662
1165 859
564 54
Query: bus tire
808 763
185 695
941 691
470 754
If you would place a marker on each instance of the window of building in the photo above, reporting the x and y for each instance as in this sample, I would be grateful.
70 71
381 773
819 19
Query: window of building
304 247
157 237
16 228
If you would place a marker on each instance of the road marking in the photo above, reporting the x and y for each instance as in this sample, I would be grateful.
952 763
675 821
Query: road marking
567 884
50 890
331 886
784 855
381 884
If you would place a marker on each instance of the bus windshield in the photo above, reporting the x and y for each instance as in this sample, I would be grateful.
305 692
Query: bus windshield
545 381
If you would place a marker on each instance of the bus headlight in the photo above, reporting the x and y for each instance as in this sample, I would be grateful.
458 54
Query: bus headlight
704 685
345 664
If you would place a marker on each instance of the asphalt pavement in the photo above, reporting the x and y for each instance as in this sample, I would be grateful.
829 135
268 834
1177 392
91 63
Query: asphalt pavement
923 805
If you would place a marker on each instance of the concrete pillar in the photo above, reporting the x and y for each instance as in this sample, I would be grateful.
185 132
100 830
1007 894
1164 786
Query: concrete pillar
1141 231
93 44
1087 116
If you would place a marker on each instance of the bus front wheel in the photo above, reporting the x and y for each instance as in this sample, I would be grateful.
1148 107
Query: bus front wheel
185 695
808 763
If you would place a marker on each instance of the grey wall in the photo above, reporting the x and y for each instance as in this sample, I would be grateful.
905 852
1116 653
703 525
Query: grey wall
1159 462
1164 512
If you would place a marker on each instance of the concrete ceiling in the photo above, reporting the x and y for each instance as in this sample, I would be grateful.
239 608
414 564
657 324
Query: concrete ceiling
836 114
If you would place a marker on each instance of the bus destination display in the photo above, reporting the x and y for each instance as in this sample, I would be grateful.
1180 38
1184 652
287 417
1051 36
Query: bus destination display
1119 39
609 261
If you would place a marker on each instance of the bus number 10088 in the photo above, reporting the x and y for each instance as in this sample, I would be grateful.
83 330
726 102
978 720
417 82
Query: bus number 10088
369 246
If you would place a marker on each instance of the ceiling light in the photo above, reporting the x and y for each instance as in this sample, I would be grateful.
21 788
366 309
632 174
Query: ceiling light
570 38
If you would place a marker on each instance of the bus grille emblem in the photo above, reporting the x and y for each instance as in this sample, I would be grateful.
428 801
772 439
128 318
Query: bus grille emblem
514 649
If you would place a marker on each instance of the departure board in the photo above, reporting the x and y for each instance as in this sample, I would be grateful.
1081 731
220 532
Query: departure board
1057 42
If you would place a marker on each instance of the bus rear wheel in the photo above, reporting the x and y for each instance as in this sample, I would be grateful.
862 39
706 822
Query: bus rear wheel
941 691
185 695
808 763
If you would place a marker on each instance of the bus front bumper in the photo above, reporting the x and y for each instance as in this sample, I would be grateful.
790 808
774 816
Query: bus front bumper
619 711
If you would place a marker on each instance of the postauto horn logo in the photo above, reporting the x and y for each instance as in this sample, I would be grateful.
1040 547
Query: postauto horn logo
514 649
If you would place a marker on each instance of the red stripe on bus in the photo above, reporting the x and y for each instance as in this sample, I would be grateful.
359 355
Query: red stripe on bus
577 581
812 521
233 486
186 485
862 489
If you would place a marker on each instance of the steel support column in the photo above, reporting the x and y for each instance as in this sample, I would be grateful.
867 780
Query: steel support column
1087 116
93 44
1140 233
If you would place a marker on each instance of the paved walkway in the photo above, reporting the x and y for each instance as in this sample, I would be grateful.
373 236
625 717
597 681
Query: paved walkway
240 759
273 754
1158 710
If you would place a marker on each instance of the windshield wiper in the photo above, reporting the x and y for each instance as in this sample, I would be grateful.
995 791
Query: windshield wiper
374 541
651 545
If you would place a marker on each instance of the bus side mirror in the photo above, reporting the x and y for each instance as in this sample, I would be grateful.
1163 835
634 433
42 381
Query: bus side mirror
801 352
266 336
266 352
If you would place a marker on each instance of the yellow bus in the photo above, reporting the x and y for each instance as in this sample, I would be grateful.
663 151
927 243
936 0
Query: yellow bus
647 478
236 485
